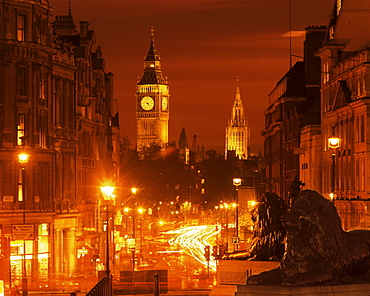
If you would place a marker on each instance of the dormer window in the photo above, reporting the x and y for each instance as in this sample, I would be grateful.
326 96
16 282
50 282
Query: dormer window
152 65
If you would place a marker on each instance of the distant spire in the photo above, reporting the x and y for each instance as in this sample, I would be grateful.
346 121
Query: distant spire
237 111
183 143
152 34
238 100
152 65
69 8
152 54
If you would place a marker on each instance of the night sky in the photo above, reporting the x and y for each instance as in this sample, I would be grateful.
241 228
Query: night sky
204 46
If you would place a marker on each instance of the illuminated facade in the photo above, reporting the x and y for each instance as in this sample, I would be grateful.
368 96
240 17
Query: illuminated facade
345 92
237 132
152 102
57 105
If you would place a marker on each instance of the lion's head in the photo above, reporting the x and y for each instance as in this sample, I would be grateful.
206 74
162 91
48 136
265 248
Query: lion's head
310 209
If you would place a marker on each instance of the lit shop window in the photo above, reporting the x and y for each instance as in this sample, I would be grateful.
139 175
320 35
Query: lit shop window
43 250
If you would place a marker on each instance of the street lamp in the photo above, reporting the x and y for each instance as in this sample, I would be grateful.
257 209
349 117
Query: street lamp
237 182
107 192
141 212
133 191
333 143
23 159
125 211
225 207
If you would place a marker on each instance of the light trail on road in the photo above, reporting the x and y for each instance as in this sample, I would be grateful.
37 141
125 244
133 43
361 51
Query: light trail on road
193 239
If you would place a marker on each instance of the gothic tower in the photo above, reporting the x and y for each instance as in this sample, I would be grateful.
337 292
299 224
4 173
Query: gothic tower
152 102
237 132
184 151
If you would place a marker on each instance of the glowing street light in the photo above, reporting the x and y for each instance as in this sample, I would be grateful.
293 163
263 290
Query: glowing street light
107 192
237 182
333 143
23 157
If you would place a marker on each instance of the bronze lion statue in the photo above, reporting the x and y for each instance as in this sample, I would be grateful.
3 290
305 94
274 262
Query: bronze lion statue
269 231
318 251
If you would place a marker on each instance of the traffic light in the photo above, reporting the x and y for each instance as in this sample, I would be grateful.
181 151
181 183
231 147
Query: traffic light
215 252
222 251
207 253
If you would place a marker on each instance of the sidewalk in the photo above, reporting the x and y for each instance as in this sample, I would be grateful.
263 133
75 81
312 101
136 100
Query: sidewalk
169 293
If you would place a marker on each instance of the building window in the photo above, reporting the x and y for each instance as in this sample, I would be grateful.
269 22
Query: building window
44 250
304 166
42 134
326 72
21 81
21 130
21 28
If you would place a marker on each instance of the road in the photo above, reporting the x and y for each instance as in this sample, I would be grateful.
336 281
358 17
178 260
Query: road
193 239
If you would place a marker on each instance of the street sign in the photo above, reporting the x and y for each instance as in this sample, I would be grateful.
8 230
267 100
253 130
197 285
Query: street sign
23 232
82 251
235 240
23 236
131 244
8 198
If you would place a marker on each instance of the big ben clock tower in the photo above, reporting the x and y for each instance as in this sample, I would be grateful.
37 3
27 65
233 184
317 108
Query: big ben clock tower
152 102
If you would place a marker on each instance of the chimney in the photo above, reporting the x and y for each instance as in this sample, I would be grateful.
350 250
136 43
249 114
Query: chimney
84 27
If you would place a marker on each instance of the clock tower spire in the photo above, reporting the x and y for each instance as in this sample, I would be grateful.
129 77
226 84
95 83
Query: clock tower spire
152 102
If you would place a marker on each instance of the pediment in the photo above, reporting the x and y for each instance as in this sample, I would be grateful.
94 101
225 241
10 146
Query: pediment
342 95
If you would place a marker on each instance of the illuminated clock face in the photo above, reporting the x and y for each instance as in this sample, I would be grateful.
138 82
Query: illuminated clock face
164 103
147 103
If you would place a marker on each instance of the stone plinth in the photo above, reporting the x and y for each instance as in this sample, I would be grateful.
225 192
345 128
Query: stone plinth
231 273
338 290
236 272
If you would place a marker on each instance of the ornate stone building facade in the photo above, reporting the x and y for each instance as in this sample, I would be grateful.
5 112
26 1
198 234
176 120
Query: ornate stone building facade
342 173
237 131
57 106
152 102
345 102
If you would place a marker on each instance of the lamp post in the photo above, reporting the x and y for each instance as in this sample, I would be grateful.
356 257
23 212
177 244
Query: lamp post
107 192
141 212
23 159
333 143
237 182
225 208
126 210
133 191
